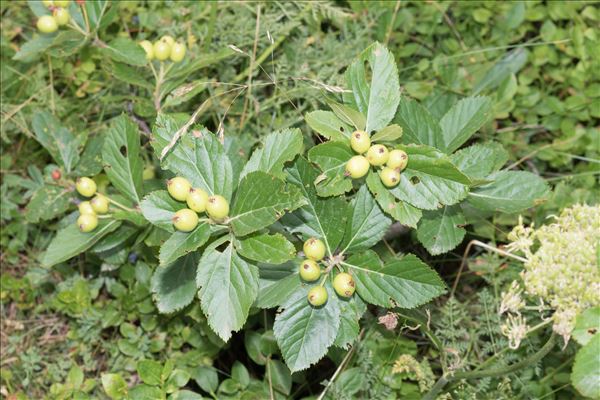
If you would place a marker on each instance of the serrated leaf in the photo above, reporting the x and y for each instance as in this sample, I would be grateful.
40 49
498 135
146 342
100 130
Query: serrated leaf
378 99
401 211
47 202
90 162
430 180
323 218
327 124
271 249
174 285
121 156
149 372
388 134
125 50
70 241
31 49
349 115
159 208
260 200
366 223
114 386
418 125
331 157
351 310
278 148
586 369
182 243
463 120
509 191
441 230
228 287
587 325
303 332
62 145
480 160
131 75
405 282
275 292
197 156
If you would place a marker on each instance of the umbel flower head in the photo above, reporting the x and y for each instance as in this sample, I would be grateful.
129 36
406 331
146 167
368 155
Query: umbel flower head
561 266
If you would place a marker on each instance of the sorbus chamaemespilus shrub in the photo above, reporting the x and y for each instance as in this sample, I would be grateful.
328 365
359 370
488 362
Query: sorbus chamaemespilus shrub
179 188
162 50
377 155
85 187
177 52
389 176
87 222
85 208
197 200
100 204
317 296
360 141
314 249
47 24
217 207
398 159
344 285
310 270
185 220
357 167
62 16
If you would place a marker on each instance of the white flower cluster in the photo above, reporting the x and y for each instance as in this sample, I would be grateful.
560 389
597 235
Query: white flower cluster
562 265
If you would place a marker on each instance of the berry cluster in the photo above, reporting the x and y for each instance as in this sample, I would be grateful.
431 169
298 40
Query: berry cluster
60 16
89 210
165 48
198 201
392 162
310 271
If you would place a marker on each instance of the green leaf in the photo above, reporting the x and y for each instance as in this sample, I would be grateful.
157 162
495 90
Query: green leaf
303 332
323 218
31 49
47 202
331 157
351 310
366 223
511 63
441 230
586 369
260 200
430 179
126 51
121 156
378 99
182 243
275 292
327 124
228 286
280 376
463 120
159 208
133 76
418 125
62 145
197 156
90 162
278 148
70 241
388 134
185 395
349 115
480 160
174 286
149 372
405 282
587 325
186 92
178 378
146 392
401 211
509 191
271 249
114 386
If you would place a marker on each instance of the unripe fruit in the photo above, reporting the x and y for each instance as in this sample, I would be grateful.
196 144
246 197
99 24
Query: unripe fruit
168 39
357 167
62 16
197 200
162 50
179 188
314 249
310 270
85 187
217 207
148 173
177 52
317 296
185 220
48 3
85 208
87 222
360 141
378 155
61 3
100 204
56 174
344 285
47 24
398 159
148 48
389 176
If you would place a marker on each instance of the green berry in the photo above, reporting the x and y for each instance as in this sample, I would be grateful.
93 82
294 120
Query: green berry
48 3
378 155
185 220
217 207
85 187
85 208
148 48
148 173
162 50
62 16
310 270
398 159
100 204
179 188
389 176
314 249
360 141
344 285
47 24
168 39
177 52
197 200
357 167
87 222
317 296
61 3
